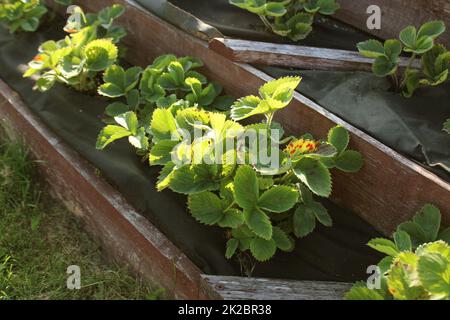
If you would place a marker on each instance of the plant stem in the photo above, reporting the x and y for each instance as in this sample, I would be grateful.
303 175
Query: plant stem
408 67
230 206
83 79
395 79
269 118
265 21
288 175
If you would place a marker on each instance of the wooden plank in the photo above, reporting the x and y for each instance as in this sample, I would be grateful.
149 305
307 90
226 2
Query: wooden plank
239 288
387 191
123 232
283 55
396 15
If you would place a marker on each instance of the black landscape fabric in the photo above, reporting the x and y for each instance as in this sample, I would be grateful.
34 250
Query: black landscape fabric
334 254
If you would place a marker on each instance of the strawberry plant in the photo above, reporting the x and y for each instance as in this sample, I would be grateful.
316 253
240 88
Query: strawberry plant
435 59
447 126
21 15
417 265
161 84
262 206
288 18
78 59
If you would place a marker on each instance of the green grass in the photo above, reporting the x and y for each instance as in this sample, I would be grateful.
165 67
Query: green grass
39 240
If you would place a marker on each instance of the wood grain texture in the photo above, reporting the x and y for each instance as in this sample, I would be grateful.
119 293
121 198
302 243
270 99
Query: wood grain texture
396 15
239 288
387 191
294 56
123 232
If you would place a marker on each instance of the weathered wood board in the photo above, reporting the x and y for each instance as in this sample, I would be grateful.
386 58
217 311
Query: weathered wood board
294 56
396 15
387 191
239 288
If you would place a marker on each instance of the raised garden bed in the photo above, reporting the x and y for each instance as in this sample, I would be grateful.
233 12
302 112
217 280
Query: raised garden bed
372 193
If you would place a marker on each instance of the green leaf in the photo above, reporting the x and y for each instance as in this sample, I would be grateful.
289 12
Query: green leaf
30 25
275 9
116 108
447 126
328 7
429 218
160 153
300 31
193 179
46 81
402 241
349 161
385 264
392 48
265 183
282 240
223 103
176 72
431 29
139 140
107 15
165 176
206 208
195 85
434 273
415 231
211 92
412 82
281 89
232 246
232 218
383 67
360 291
110 90
409 36
435 63
339 138
115 75
258 222
384 246
371 49
110 134
321 213
244 235
400 285
263 249
423 45
132 78
163 124
100 54
246 187
278 199
315 175
246 107
311 6
306 194
133 99
304 221
129 121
